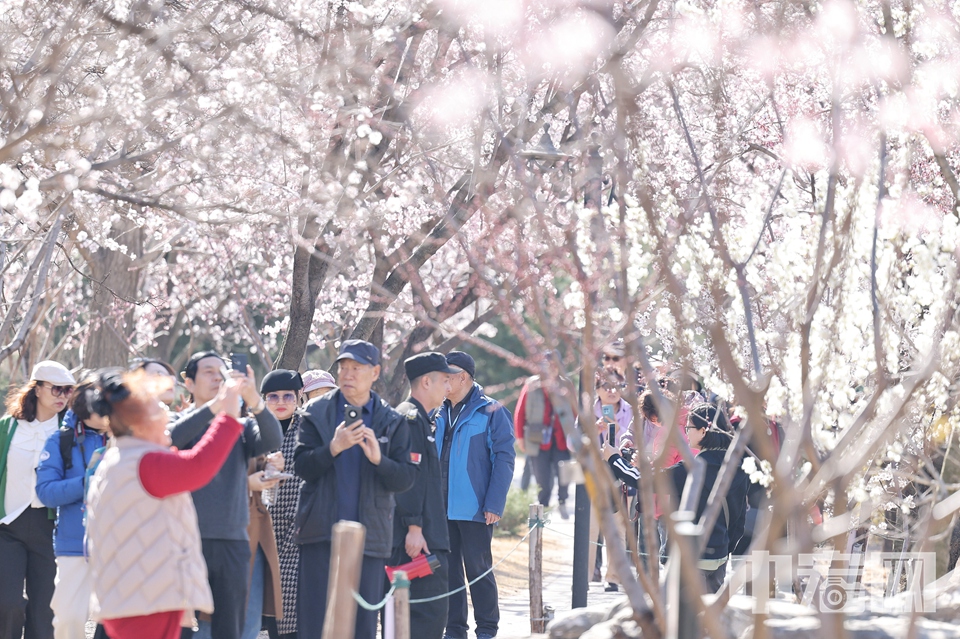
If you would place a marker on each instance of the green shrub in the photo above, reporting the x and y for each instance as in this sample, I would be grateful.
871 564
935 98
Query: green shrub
517 511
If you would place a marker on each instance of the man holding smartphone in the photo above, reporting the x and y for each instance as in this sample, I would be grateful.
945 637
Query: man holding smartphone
353 455
223 510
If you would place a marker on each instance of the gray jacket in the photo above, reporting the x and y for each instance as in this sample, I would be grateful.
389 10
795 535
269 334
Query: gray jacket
223 511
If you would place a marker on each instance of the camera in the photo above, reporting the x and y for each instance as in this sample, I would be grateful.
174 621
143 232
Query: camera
840 592
351 414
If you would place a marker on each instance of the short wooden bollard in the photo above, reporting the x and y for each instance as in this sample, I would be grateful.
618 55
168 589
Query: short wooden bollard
535 540
346 559
401 605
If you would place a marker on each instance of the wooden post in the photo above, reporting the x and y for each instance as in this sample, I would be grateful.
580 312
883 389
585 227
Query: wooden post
401 605
346 559
535 541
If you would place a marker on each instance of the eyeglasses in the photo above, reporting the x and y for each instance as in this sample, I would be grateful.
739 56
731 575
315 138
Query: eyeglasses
58 391
613 389
276 398
612 358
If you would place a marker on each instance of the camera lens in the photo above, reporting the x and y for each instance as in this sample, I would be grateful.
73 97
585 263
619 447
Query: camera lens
834 597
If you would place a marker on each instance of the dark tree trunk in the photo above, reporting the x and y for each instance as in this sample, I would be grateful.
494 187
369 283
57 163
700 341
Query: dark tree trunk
309 272
115 284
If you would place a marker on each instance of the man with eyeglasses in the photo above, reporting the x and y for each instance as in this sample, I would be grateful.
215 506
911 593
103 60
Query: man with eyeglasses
223 510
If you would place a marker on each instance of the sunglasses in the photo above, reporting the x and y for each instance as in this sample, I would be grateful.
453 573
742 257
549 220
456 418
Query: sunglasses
276 398
612 358
58 391
613 389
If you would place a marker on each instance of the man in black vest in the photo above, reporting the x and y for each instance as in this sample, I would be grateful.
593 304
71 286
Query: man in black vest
420 524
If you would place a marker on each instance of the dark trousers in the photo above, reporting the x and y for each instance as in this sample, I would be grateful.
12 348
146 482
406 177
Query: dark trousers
312 591
427 619
26 556
546 469
228 569
470 552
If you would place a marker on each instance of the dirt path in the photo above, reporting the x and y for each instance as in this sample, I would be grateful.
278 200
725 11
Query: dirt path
513 574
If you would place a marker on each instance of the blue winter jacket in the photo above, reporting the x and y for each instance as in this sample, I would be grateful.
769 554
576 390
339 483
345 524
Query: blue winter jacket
63 490
481 456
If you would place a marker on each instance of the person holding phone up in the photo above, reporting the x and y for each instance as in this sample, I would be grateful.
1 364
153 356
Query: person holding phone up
614 417
223 510
353 455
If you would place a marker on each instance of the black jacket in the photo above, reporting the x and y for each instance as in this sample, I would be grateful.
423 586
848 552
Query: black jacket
422 505
313 462
729 527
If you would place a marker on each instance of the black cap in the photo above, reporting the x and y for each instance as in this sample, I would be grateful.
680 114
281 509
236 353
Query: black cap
359 351
462 361
426 363
281 380
190 370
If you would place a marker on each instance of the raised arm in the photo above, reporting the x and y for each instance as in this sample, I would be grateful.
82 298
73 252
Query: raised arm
312 458
262 434
168 473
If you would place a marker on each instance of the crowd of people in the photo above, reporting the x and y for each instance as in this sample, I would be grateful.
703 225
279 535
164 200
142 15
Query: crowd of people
217 520
704 426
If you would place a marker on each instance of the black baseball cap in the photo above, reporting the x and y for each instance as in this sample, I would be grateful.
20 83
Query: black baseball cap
462 361
359 351
424 363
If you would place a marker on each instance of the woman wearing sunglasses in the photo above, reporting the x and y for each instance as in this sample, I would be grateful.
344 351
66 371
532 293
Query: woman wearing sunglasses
273 586
26 528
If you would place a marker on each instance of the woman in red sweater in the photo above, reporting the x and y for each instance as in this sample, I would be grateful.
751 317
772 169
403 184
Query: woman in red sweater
144 545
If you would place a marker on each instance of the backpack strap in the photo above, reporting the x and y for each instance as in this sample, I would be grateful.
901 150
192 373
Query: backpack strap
67 437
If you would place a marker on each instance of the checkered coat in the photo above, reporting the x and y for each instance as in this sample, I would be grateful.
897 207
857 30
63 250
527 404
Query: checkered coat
284 512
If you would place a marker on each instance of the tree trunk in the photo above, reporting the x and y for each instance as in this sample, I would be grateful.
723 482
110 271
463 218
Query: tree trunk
115 284
309 272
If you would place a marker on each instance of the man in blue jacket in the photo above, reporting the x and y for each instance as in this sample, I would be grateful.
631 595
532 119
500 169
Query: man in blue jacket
60 485
475 440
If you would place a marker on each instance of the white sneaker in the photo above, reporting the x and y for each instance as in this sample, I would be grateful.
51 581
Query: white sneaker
564 513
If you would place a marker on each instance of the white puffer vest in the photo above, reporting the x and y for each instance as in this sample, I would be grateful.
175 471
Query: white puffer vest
145 553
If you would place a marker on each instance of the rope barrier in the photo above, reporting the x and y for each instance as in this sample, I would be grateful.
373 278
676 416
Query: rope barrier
373 607
539 523
532 522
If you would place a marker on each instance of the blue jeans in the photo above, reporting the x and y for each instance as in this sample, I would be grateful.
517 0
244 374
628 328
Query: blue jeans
254 619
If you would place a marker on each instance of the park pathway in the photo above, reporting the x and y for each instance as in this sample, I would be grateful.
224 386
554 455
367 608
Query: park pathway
557 577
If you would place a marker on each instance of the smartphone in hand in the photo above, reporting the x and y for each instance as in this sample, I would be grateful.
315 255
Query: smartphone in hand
239 362
351 414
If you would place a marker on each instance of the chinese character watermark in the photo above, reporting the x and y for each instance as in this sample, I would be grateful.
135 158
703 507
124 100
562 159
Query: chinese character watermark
882 582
